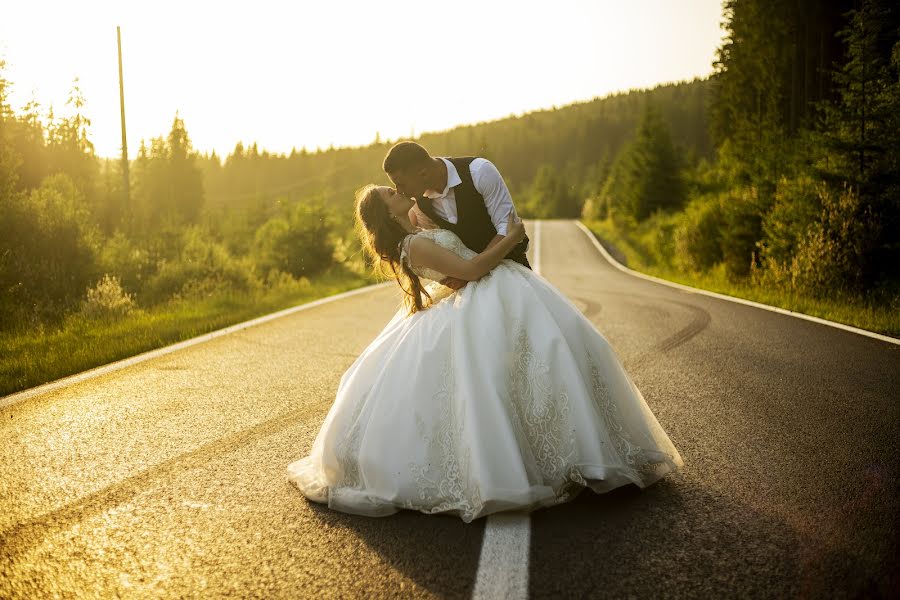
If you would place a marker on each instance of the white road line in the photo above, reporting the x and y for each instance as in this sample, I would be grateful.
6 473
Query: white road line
503 564
694 290
125 362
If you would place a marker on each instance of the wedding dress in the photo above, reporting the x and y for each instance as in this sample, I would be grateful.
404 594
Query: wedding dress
501 396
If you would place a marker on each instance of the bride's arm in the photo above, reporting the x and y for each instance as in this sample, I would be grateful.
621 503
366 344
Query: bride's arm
425 253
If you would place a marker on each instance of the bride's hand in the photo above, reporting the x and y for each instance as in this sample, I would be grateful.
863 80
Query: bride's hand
515 227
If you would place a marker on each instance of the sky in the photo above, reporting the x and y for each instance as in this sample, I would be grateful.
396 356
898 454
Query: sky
338 72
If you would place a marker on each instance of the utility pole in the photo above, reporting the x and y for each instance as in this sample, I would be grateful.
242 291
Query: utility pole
125 185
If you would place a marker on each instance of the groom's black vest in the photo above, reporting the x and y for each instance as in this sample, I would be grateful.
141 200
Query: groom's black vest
473 222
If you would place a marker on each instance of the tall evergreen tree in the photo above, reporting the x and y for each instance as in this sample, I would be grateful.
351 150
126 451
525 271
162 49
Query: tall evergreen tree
168 182
862 129
69 147
185 176
650 172
771 70
9 158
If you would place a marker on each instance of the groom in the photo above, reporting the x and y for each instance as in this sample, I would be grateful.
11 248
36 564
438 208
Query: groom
465 195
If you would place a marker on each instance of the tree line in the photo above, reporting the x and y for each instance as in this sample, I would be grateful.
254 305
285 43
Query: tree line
197 223
802 192
69 243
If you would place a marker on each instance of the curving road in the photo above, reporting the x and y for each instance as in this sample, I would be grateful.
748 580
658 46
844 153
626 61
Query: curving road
166 478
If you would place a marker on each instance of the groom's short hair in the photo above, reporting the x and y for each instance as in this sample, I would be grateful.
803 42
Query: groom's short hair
404 155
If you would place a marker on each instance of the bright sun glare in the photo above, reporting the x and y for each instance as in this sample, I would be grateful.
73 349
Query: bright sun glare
314 74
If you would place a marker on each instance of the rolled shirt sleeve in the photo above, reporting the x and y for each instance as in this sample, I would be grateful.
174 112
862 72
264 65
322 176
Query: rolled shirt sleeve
497 199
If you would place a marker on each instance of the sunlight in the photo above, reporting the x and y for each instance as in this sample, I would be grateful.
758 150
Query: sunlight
297 74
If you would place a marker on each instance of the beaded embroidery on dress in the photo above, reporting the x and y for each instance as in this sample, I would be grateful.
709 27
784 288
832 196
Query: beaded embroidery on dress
499 396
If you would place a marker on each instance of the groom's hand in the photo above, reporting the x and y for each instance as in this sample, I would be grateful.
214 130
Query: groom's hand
453 282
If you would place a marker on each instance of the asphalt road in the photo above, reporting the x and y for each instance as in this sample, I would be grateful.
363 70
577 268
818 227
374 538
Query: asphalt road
167 478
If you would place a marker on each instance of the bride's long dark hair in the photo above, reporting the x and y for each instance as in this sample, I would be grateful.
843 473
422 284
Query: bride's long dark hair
381 237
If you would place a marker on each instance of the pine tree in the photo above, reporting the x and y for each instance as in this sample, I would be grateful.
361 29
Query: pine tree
650 173
185 176
857 127
862 129
9 158
168 183
770 71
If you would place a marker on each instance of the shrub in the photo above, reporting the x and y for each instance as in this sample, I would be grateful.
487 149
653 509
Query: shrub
661 226
300 243
348 252
742 212
204 267
697 239
48 252
133 263
797 205
594 208
830 258
285 282
107 299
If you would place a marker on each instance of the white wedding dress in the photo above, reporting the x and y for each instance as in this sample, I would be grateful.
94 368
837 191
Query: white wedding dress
500 396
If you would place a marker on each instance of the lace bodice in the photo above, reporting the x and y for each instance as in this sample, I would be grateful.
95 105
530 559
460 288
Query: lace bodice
442 237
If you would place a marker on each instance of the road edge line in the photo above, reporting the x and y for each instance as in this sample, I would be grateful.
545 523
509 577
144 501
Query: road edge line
694 290
37 390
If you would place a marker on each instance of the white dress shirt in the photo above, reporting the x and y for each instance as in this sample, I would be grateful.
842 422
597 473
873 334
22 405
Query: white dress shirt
489 184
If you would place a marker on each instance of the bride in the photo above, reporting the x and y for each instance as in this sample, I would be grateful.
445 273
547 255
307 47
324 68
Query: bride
498 396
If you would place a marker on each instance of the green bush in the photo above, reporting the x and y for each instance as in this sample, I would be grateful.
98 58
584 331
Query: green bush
107 300
742 212
300 243
594 208
797 205
830 258
204 267
663 226
285 282
614 189
349 254
698 236
132 263
48 252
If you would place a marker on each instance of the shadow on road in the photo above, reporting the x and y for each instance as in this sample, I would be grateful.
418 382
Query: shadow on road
680 539
439 552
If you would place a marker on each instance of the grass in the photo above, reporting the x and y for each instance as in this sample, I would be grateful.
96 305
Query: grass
633 249
31 358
